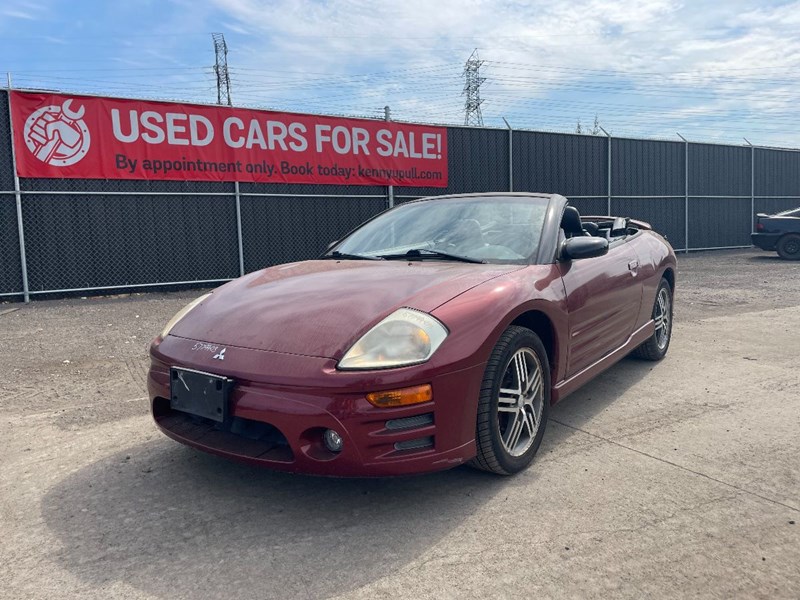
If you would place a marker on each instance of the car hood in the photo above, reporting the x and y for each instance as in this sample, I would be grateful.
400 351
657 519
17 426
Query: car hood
321 307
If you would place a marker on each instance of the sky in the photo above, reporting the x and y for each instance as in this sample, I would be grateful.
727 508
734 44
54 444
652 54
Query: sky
709 70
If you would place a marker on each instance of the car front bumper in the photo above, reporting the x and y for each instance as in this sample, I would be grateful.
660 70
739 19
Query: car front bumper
278 416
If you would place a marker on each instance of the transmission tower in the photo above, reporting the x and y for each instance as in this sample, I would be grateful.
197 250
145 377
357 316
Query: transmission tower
472 90
221 69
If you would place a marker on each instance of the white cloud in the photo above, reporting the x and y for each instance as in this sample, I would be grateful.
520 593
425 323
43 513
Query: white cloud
26 10
645 67
19 14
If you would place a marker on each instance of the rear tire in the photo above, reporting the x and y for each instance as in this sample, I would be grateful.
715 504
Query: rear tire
788 246
514 403
656 347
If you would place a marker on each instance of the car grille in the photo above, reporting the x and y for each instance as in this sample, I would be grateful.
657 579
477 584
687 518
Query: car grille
244 437
410 422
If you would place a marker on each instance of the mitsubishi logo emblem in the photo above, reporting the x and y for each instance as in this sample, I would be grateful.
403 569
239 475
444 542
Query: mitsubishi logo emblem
220 355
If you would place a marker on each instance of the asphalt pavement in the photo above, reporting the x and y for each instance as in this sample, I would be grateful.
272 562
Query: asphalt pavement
674 479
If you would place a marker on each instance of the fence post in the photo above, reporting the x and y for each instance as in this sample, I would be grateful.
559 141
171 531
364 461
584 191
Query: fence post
685 193
608 200
26 297
510 156
387 116
752 185
239 226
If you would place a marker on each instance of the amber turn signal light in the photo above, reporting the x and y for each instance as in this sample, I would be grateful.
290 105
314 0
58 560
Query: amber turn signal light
403 397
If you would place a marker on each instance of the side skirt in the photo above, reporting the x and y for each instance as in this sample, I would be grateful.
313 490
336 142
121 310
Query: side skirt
565 387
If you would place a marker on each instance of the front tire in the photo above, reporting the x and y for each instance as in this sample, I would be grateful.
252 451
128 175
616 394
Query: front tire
788 247
514 403
656 347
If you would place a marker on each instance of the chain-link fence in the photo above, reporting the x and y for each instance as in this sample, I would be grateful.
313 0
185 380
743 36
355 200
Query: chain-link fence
81 235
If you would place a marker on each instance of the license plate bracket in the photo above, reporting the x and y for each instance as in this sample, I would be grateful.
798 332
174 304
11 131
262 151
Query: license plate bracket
199 393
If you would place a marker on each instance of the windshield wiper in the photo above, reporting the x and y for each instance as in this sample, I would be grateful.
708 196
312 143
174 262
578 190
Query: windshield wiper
425 252
345 256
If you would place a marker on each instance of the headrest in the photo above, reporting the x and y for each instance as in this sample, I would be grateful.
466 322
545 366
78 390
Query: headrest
571 221
591 228
468 226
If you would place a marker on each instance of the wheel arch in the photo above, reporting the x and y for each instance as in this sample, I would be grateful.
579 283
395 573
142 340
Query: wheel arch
538 322
669 275
786 234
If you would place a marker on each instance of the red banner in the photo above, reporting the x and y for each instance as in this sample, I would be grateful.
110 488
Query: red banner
111 138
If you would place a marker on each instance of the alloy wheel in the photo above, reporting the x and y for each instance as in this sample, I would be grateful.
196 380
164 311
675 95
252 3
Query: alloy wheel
662 318
520 402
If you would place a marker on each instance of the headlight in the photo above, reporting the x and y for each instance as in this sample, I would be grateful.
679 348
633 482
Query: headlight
405 337
182 313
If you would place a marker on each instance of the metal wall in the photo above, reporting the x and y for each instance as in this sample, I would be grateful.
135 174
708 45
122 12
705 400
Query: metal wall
84 235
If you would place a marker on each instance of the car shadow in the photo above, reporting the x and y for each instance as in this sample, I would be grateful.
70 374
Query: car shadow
766 257
579 409
174 522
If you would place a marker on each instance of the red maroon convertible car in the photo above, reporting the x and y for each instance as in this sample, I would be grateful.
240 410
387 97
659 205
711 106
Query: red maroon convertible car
436 334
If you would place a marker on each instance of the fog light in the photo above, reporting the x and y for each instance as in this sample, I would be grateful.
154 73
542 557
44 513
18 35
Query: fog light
333 441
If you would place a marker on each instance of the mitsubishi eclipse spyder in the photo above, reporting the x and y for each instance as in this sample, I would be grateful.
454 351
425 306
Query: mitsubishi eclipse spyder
436 334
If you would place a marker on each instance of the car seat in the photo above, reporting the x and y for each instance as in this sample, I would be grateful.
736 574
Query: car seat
591 229
466 233
571 222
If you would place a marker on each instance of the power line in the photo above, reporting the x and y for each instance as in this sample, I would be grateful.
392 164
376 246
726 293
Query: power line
534 67
707 34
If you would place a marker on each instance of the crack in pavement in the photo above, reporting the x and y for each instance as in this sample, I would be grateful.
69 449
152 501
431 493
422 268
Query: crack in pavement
676 465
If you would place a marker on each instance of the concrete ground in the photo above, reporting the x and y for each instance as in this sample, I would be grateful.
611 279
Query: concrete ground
675 479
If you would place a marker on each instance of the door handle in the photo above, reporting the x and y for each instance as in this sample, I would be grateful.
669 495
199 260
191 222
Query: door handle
632 266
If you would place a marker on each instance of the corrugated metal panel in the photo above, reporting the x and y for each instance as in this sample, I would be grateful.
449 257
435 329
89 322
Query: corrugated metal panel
93 241
477 162
777 173
719 170
645 168
719 222
278 230
666 215
569 165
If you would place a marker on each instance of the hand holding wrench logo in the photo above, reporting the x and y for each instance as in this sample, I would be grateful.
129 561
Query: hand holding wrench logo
57 135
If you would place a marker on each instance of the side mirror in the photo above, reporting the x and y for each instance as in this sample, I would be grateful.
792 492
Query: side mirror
584 247
331 245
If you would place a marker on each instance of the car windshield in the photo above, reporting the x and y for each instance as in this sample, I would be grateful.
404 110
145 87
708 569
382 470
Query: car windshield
794 212
494 229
